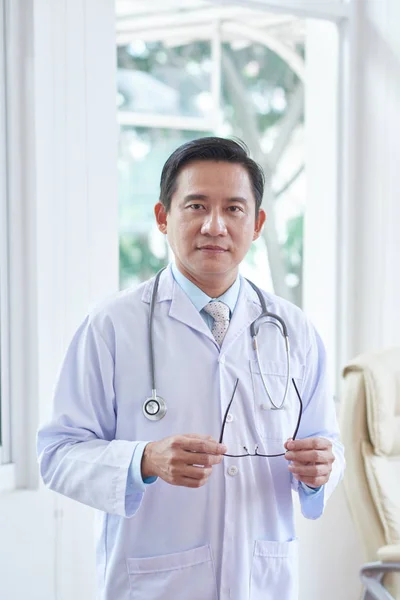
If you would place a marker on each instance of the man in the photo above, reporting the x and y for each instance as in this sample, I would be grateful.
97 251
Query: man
195 480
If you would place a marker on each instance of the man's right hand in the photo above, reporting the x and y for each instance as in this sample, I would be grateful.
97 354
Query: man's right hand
185 460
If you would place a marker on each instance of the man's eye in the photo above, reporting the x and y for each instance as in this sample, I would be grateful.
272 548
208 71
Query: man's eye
196 206
235 208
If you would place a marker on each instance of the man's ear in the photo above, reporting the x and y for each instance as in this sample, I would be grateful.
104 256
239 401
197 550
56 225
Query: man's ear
161 217
259 223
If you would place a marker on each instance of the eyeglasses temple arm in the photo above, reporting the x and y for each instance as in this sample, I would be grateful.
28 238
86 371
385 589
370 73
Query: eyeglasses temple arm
301 409
226 412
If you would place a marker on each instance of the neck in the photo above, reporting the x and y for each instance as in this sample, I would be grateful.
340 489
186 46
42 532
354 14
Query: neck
213 285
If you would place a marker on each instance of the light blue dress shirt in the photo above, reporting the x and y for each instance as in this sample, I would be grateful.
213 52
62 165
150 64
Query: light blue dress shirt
200 300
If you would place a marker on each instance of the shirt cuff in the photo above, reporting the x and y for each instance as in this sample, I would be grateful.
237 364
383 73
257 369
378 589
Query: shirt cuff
135 482
309 491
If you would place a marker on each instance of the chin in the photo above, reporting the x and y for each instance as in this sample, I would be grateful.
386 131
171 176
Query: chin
213 268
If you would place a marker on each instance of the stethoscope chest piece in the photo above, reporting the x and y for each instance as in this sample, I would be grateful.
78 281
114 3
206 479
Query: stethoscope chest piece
154 408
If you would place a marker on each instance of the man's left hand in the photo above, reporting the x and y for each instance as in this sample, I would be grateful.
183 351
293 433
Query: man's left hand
311 460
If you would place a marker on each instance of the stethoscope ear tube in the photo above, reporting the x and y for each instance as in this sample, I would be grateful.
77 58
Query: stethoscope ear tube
254 329
155 408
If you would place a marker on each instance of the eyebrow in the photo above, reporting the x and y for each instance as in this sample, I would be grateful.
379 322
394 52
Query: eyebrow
192 197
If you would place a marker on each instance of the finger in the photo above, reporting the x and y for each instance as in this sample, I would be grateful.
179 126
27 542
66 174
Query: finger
175 473
198 458
202 445
309 470
187 479
312 443
196 473
310 456
199 436
192 483
312 481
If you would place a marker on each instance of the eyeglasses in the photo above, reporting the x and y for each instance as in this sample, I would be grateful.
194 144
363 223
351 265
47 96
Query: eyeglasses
256 453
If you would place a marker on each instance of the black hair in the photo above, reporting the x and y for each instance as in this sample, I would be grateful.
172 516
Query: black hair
213 149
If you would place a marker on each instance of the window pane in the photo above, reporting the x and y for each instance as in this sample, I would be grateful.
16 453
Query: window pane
255 77
157 78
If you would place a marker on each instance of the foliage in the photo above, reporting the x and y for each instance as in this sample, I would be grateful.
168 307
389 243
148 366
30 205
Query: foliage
136 260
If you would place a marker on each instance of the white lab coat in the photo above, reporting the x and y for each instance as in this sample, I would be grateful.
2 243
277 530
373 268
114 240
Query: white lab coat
233 538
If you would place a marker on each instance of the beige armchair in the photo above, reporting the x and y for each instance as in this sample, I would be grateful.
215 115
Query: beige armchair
370 427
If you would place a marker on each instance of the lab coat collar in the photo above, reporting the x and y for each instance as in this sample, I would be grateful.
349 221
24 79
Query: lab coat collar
165 287
247 309
182 309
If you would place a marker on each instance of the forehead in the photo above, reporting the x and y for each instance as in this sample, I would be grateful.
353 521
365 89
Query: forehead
214 178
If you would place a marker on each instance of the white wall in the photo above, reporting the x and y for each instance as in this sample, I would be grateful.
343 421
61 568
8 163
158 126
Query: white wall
376 297
64 257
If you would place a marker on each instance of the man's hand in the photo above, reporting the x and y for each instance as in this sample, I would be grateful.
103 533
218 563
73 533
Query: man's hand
185 460
311 460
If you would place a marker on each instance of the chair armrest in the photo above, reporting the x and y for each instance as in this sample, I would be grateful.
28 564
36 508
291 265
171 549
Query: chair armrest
389 553
371 576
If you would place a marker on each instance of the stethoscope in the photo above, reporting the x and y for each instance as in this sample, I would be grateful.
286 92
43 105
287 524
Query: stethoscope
155 407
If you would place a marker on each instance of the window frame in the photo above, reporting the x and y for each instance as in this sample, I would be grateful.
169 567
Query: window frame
331 10
5 422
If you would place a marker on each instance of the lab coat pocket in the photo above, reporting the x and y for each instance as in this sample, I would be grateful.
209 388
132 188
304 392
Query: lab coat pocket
274 571
275 426
179 576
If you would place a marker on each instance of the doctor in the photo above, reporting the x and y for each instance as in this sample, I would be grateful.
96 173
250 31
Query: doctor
185 444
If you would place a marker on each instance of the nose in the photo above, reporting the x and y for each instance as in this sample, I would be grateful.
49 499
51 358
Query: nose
214 224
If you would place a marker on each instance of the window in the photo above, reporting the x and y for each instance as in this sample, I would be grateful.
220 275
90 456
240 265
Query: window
4 281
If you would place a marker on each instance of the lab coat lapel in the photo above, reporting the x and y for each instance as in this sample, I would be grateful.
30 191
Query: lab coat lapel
182 309
247 309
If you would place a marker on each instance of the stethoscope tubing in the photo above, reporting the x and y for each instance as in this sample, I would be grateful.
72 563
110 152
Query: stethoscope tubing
254 328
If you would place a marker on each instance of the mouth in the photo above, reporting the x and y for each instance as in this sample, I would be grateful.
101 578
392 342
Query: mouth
211 249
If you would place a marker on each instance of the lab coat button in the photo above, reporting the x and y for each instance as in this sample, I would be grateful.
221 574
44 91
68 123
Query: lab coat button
265 406
233 470
222 359
229 418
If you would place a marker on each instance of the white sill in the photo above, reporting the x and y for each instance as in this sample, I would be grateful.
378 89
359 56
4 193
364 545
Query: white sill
7 477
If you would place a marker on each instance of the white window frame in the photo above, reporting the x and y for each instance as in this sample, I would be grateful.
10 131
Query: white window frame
6 466
329 10
4 252
209 123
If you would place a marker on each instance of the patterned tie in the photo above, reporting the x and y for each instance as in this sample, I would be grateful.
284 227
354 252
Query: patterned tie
220 313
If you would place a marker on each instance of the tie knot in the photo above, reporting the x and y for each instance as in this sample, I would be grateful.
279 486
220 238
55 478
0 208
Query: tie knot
218 310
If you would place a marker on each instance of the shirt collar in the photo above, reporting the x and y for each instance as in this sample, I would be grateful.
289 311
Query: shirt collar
200 298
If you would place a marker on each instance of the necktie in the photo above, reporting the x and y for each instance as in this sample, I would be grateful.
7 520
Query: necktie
220 313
